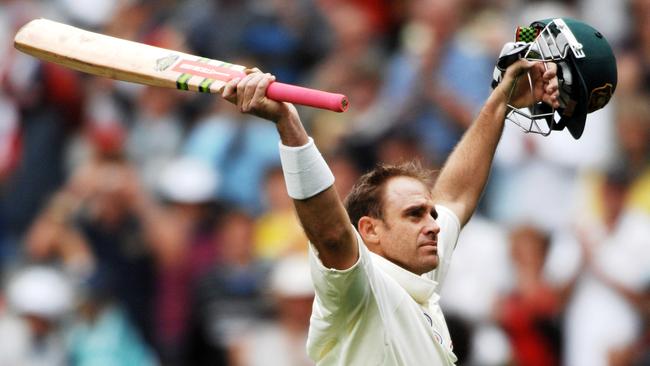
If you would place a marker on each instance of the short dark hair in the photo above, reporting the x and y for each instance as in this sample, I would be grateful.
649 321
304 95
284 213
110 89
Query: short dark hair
367 196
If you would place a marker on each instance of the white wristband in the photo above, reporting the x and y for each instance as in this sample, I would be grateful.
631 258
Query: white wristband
305 171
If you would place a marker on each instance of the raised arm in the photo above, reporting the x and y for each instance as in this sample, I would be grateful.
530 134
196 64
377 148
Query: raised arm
463 177
321 214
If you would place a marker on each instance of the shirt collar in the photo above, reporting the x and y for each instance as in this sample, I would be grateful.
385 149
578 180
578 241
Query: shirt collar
420 288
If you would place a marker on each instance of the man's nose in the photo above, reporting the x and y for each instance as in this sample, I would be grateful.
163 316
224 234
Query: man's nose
432 227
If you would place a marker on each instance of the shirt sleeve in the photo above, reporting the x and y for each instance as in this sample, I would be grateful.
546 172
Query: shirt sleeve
340 293
447 239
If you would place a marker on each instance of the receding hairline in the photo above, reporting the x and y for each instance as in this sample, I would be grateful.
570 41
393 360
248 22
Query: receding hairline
384 189
368 196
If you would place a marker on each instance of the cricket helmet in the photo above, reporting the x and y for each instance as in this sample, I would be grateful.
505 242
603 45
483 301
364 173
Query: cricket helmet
586 73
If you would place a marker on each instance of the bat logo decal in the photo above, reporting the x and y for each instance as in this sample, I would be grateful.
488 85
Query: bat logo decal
164 63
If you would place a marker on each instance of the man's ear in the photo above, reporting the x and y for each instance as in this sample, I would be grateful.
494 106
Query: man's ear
369 230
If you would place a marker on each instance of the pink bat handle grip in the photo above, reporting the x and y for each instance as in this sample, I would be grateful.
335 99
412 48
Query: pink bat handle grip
309 97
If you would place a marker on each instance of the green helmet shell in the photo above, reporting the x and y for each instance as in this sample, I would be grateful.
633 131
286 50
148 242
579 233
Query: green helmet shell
595 72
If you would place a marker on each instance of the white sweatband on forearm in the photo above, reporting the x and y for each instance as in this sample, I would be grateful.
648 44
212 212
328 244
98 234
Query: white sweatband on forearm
305 171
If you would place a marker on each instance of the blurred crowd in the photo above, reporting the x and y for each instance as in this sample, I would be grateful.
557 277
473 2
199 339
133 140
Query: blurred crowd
149 226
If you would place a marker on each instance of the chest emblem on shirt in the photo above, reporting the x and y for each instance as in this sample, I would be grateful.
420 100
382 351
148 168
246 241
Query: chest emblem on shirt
436 335
428 319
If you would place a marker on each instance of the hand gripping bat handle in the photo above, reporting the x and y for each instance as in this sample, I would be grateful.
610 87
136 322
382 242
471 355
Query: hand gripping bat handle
309 97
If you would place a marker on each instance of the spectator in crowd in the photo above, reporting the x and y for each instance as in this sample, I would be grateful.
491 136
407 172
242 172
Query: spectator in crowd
92 224
230 297
31 328
284 335
398 145
53 239
287 37
638 353
157 132
240 148
100 201
615 246
431 82
277 232
346 170
179 232
531 313
102 332
635 55
50 101
633 132
473 289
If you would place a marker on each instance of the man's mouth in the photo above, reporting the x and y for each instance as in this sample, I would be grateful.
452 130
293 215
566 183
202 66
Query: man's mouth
430 243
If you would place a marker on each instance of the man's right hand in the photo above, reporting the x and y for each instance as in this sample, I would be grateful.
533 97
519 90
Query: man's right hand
249 94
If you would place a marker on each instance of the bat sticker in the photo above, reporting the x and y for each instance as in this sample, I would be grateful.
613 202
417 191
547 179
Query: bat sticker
205 70
164 63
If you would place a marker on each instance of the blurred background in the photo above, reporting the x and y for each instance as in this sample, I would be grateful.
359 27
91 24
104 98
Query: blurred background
145 226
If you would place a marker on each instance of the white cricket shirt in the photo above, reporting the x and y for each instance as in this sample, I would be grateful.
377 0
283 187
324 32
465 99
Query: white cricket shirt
377 313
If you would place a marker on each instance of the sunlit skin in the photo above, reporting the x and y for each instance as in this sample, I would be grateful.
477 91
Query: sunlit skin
408 233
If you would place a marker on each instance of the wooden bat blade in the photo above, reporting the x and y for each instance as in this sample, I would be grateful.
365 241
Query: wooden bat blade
116 58
125 60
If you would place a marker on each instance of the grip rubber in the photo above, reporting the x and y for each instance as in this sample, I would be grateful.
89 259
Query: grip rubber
309 97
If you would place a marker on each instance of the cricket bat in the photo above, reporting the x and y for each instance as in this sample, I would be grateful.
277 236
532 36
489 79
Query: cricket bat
125 60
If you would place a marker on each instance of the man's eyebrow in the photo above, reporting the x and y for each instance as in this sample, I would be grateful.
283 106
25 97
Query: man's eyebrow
434 212
415 208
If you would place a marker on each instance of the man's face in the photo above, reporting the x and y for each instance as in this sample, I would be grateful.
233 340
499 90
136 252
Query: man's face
408 234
